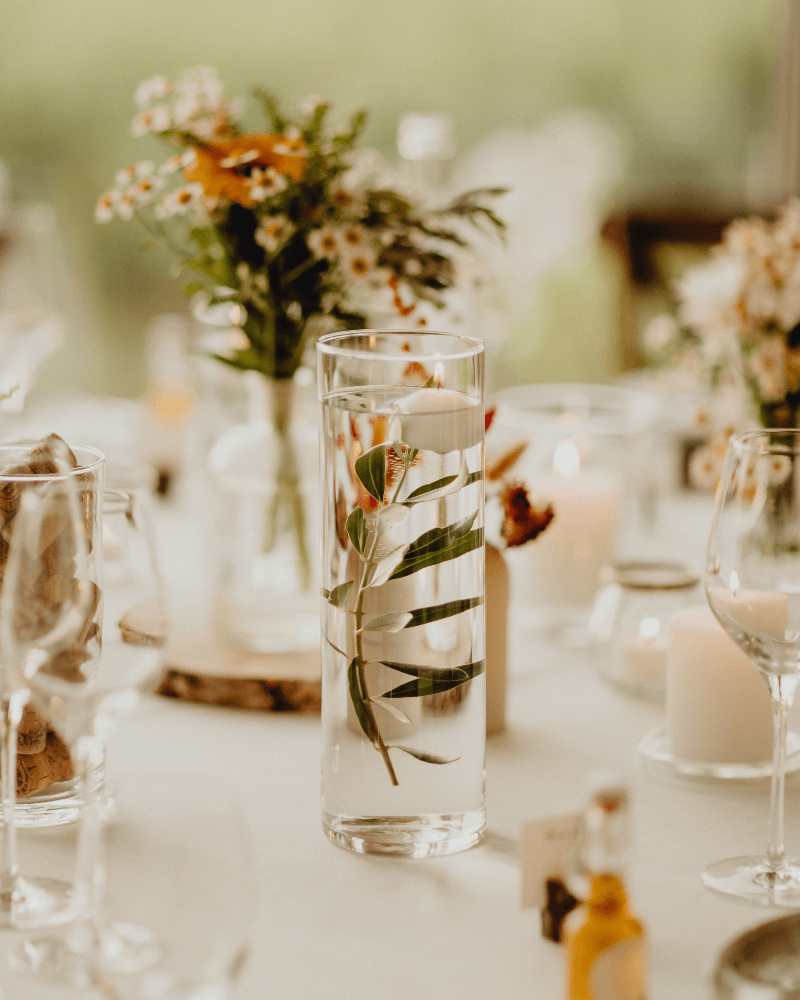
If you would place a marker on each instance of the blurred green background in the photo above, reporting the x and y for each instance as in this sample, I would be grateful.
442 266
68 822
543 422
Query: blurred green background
690 83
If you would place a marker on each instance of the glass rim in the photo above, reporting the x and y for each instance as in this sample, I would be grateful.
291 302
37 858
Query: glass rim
652 575
79 470
328 345
749 441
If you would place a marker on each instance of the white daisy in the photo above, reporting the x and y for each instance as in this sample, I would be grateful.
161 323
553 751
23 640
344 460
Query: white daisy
151 90
177 162
266 183
659 331
127 203
104 210
325 242
768 366
355 238
155 120
180 201
144 168
273 232
147 188
778 469
704 468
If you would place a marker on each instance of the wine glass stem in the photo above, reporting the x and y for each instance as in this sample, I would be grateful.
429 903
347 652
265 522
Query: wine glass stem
10 716
89 874
775 851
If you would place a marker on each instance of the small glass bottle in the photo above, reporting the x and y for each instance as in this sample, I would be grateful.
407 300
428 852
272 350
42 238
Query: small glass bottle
605 942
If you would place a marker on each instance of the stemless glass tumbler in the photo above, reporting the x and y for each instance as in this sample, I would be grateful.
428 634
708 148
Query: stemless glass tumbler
403 693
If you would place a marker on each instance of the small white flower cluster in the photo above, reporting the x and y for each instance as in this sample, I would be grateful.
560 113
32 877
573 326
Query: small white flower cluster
351 249
197 104
138 185
746 300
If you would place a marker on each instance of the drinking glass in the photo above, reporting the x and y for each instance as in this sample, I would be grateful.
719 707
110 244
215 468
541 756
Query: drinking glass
403 654
83 707
752 581
47 616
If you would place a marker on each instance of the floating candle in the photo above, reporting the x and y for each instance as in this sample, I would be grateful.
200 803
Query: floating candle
440 420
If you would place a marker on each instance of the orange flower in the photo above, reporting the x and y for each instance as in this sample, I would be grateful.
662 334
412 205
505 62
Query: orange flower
226 182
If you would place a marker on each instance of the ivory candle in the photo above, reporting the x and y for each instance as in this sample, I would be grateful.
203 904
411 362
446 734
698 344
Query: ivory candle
564 563
755 610
718 706
643 657
440 420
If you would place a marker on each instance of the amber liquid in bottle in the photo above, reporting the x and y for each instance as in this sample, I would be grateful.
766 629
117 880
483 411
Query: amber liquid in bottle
605 942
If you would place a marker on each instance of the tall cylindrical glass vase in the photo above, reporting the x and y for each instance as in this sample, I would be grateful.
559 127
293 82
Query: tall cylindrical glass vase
403 692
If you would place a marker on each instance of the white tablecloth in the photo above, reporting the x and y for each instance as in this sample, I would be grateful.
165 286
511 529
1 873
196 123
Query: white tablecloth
334 925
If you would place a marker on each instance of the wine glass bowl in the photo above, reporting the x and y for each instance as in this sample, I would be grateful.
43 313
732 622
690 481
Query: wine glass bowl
752 581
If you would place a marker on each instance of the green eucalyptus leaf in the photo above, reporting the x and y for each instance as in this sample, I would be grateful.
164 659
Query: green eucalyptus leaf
421 493
356 528
371 471
430 681
439 545
392 622
436 612
338 596
431 673
428 758
387 566
363 714
391 710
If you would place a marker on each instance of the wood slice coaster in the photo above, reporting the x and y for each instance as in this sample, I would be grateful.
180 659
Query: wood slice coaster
202 668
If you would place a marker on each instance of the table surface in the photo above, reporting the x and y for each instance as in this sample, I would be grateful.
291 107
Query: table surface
334 924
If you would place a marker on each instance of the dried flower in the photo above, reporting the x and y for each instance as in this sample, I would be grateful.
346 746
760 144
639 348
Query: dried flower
522 522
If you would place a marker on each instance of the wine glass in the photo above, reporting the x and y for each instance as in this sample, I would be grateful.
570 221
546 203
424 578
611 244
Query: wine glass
46 616
83 707
752 581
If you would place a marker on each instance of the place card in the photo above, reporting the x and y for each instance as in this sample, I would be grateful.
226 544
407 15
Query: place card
547 847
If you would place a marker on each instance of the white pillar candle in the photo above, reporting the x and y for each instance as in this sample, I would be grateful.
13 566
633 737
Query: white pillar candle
564 563
718 706
440 420
755 610
643 657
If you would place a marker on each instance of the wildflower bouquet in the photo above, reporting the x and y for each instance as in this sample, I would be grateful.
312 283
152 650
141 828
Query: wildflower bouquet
285 232
739 315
